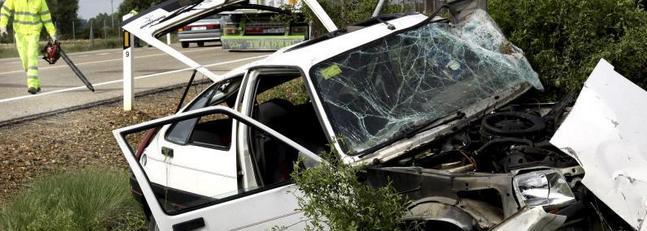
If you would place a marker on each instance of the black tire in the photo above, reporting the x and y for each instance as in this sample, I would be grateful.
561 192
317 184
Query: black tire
185 45
512 124
201 44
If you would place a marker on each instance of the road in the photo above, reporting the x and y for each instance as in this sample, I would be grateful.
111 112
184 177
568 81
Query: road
62 89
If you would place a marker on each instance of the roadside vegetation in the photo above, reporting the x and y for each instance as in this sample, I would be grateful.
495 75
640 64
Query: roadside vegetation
565 39
334 198
88 199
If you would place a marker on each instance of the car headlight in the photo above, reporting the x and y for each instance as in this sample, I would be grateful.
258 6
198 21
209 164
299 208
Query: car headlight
543 188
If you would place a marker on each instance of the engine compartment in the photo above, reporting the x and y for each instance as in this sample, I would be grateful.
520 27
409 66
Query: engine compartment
501 142
470 172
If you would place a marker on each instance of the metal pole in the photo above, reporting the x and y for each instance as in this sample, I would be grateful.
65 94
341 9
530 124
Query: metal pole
73 30
378 8
91 32
112 14
105 33
186 91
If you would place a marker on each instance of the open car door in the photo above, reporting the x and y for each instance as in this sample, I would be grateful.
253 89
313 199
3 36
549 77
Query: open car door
172 14
252 207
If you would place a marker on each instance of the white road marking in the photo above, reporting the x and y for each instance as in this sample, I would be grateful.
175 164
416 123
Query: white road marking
100 61
121 80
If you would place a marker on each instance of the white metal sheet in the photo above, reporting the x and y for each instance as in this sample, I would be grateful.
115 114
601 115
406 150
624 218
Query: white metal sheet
607 133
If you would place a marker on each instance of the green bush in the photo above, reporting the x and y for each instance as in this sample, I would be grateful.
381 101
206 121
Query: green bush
564 39
90 199
345 13
334 198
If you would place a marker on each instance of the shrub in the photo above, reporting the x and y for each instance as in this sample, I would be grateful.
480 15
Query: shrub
564 39
345 13
90 199
332 197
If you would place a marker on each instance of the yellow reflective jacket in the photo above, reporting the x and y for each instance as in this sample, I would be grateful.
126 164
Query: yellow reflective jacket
28 16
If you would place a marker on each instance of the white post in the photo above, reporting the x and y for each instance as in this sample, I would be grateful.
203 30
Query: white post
129 43
168 39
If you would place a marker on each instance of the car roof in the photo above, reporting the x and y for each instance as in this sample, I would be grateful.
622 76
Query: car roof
309 55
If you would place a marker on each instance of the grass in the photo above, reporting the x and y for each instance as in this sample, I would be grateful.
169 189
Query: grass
88 199
8 50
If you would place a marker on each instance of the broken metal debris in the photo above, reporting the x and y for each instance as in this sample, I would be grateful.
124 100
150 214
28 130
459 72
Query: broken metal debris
606 133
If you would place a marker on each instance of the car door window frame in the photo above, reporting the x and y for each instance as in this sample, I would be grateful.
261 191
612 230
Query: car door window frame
206 94
246 105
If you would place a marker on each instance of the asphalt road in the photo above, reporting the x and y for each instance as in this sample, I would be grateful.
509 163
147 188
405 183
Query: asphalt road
62 89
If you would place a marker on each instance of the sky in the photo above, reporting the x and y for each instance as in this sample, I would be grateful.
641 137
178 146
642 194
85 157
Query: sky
91 8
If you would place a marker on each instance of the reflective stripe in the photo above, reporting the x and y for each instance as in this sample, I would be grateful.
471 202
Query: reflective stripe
47 21
26 13
6 15
7 9
27 23
44 12
33 68
33 76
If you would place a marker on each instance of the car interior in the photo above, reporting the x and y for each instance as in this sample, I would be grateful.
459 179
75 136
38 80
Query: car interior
282 103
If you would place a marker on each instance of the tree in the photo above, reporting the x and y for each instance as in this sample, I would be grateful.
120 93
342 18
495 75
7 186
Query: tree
138 5
64 13
564 39
101 25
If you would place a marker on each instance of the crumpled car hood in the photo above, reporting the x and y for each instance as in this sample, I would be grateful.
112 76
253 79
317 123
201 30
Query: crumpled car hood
606 131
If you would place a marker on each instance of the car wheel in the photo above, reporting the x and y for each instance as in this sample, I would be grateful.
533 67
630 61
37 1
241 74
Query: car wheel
200 44
152 225
185 45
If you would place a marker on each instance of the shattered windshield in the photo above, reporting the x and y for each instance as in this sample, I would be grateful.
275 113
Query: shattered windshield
372 93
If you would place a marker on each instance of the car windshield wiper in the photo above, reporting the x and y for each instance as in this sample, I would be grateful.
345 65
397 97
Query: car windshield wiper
415 129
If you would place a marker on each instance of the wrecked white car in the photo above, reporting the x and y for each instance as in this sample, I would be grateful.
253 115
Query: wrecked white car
438 107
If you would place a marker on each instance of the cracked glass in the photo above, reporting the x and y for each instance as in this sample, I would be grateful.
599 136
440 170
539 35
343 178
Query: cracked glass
418 75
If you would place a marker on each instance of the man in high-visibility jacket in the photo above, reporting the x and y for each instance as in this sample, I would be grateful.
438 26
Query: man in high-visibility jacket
29 16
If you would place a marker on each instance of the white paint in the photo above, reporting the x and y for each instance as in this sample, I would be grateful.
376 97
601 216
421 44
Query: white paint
606 133
120 80
321 14
535 218
128 76
101 61
257 211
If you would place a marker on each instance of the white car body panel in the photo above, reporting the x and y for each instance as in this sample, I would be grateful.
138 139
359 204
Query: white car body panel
607 133
275 207
192 165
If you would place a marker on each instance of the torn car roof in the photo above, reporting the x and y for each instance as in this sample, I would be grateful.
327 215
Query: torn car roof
606 132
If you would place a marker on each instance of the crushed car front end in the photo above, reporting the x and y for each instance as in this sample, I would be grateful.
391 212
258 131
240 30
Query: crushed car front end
446 112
